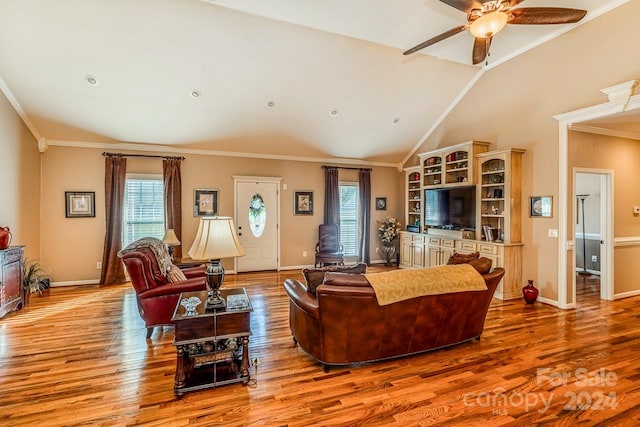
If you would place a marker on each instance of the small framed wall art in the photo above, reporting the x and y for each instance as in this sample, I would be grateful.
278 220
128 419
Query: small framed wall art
381 203
540 206
303 202
205 202
80 204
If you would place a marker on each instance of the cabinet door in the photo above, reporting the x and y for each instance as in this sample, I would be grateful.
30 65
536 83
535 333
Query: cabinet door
434 257
10 278
406 252
445 254
418 254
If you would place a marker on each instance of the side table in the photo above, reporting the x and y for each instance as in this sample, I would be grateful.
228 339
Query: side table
212 347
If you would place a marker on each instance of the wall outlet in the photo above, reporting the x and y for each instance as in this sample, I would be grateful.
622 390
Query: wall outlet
377 250
594 258
304 254
99 265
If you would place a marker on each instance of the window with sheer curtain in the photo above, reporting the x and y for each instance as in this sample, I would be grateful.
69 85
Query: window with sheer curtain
349 217
144 208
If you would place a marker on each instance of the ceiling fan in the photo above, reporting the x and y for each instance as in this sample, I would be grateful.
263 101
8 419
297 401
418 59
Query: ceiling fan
485 18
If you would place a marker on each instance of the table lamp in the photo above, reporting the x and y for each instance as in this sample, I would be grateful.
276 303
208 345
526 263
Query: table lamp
216 238
170 239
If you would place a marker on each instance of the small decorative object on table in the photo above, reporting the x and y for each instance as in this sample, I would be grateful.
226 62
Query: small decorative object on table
5 237
530 293
388 230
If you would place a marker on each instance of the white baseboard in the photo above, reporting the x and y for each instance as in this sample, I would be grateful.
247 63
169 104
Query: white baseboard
295 267
626 295
75 283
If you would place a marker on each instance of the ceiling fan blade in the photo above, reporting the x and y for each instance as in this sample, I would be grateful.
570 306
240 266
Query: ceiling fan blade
436 39
464 5
545 15
481 49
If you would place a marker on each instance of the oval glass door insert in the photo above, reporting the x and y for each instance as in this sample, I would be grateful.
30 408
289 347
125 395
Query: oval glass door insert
257 215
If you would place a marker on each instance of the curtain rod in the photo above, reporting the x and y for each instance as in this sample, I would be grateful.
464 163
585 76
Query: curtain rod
345 167
143 155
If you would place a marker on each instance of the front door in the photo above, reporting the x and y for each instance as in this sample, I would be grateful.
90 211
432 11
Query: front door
257 216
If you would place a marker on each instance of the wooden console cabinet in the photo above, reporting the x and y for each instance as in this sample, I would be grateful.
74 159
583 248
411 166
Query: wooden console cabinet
11 267
212 347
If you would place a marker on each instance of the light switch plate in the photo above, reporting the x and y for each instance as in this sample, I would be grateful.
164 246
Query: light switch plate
553 232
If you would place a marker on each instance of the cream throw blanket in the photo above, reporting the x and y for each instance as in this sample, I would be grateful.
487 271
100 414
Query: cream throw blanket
400 285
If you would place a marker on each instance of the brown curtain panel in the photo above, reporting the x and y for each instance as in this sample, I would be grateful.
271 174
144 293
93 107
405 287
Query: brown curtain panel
331 196
114 180
364 232
173 199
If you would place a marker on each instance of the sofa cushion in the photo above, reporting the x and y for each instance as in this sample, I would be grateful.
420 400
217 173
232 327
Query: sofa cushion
457 258
336 278
315 276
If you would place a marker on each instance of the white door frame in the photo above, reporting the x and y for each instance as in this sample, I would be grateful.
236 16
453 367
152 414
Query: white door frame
565 122
606 231
271 179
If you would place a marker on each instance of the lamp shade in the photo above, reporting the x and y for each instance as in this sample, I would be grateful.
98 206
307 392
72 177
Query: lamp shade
170 238
216 238
489 24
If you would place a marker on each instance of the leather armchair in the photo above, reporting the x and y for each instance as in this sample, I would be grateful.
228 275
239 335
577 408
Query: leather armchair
328 249
156 296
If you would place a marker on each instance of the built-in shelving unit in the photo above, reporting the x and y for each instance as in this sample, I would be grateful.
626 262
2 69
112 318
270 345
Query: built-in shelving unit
497 176
413 196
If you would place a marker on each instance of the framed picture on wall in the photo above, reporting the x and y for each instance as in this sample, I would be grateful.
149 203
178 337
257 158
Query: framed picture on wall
80 204
381 203
205 202
540 206
303 202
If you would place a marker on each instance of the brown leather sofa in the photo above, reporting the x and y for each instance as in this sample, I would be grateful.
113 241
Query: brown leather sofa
344 324
157 297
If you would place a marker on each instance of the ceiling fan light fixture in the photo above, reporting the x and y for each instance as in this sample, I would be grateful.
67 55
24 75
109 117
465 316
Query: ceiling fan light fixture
489 24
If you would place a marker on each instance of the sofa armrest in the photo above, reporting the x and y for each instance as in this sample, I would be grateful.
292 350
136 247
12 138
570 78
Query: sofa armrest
191 272
298 294
189 285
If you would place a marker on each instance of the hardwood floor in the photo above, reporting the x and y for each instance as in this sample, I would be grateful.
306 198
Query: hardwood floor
79 357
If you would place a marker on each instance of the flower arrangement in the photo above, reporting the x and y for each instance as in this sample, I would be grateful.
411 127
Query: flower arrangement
388 229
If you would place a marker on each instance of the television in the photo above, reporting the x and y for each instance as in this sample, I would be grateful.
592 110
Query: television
452 208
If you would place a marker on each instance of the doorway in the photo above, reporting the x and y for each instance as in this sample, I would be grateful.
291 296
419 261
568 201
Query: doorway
593 230
257 217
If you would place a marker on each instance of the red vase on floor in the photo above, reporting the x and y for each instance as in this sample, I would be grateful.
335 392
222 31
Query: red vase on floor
530 293
5 237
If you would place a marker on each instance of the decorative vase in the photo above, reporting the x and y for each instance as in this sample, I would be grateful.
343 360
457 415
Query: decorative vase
530 293
5 237
388 252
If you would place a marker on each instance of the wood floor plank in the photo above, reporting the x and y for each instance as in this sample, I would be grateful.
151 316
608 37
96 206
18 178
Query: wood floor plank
78 356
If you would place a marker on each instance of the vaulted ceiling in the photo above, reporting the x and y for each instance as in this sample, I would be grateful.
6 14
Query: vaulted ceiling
274 78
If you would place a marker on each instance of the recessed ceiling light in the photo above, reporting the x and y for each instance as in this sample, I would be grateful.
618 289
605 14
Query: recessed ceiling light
91 80
195 93
396 120
334 112
270 104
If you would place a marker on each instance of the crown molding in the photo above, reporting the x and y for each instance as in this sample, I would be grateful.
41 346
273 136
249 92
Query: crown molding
16 106
119 146
604 131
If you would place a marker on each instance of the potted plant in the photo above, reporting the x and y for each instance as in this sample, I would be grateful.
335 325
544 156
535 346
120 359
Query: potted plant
388 231
34 278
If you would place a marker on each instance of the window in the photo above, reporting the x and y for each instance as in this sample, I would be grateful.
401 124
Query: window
349 218
144 208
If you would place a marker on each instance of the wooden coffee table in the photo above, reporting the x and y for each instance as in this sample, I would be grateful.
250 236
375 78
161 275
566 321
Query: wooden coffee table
212 347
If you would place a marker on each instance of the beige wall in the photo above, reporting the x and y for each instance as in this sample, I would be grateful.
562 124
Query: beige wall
82 169
513 105
622 156
19 181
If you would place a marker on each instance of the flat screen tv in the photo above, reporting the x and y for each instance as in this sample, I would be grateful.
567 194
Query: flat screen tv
451 208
